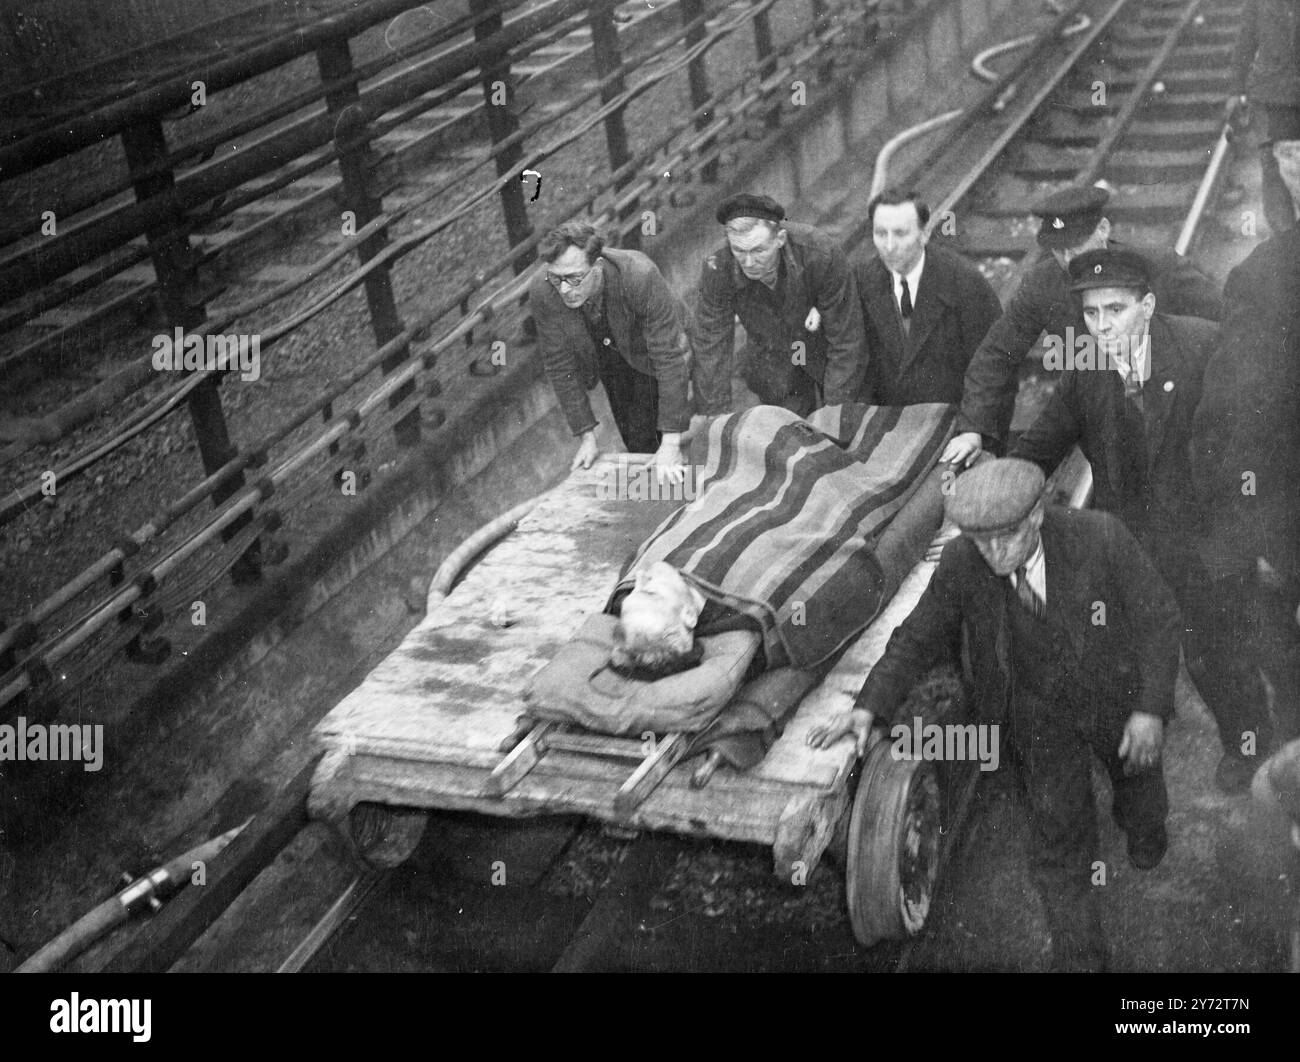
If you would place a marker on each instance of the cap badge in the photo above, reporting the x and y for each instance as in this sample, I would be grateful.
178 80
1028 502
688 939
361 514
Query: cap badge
1097 268
1057 223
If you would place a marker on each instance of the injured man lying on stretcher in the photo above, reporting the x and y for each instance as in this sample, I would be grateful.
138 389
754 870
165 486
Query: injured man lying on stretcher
742 599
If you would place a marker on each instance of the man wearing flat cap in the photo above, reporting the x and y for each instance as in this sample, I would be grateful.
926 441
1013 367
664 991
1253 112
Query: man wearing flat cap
791 287
1127 399
1073 647
1071 222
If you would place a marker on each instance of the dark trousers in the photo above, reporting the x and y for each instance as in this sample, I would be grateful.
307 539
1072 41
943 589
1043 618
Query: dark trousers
1052 740
634 401
1280 123
1238 629
1217 651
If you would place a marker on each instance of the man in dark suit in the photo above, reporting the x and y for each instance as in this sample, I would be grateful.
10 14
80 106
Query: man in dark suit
608 314
1071 223
1246 464
925 308
1127 401
1073 641
791 287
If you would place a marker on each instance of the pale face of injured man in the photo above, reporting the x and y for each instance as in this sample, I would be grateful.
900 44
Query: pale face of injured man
657 620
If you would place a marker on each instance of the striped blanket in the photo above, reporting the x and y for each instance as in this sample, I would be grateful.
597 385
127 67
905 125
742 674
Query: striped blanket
786 513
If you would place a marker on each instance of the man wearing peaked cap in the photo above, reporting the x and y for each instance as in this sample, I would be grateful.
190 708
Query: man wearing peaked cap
1070 222
1127 398
745 205
791 287
1114 268
1023 583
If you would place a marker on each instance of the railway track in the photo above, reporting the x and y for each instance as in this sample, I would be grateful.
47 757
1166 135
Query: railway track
1163 71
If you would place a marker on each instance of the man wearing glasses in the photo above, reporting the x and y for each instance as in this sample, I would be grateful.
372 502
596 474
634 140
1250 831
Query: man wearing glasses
791 287
608 315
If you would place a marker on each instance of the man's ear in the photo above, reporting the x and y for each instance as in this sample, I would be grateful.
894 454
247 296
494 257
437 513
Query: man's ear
780 237
1102 231
690 615
1149 304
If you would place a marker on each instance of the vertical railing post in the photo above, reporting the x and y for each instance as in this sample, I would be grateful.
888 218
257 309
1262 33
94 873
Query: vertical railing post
356 166
502 122
766 60
698 76
174 267
609 61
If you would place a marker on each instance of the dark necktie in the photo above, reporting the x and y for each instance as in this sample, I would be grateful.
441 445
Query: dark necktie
905 303
1133 385
1036 606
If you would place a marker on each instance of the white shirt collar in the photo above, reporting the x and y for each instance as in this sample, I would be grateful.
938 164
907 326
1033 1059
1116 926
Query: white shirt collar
1036 571
1140 358
913 280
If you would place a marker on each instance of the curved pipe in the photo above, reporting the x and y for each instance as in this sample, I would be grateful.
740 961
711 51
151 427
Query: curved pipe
880 177
459 558
979 65
161 881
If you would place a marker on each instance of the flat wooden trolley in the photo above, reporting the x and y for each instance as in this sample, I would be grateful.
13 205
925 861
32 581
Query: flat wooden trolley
427 728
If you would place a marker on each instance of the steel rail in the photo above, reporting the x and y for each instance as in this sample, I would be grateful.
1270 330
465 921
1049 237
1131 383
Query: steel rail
1137 94
1204 192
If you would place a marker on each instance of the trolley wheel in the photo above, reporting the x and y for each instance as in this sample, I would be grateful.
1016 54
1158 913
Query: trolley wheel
893 846
384 837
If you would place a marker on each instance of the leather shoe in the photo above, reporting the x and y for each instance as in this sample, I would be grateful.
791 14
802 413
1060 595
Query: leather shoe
1234 773
1147 849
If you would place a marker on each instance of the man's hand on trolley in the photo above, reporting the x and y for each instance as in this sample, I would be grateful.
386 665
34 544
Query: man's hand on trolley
668 464
588 451
855 722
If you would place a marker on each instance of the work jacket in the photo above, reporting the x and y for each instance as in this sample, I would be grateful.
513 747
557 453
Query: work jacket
646 319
